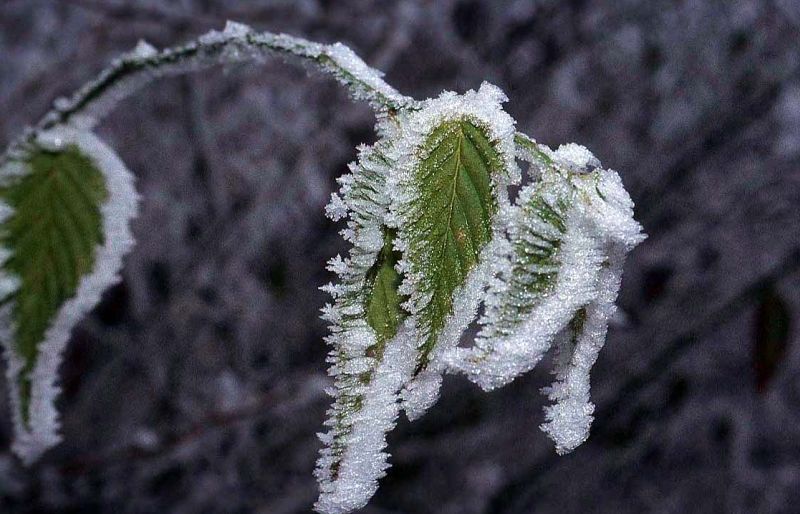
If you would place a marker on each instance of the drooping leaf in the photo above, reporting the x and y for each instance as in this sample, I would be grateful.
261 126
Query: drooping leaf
536 240
425 194
453 221
67 202
545 274
557 282
369 359
456 159
53 236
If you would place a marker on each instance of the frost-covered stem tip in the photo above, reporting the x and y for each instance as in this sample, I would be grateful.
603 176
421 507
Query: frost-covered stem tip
236 43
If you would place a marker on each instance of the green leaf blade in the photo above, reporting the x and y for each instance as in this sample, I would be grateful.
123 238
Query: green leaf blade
53 234
65 203
384 302
453 221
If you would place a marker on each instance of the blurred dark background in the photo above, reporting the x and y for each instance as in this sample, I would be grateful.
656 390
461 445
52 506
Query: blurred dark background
196 386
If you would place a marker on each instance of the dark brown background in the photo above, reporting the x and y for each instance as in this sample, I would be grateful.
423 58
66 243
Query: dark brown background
196 386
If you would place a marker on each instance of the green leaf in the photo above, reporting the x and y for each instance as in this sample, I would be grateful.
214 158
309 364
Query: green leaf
383 306
452 218
540 224
52 236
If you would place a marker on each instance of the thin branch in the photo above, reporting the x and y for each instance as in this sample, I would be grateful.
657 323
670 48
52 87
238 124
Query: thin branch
236 44
264 405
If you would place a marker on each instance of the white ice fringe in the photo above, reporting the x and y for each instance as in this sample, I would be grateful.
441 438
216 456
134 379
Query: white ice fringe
570 418
484 108
496 360
117 211
599 230
364 410
364 460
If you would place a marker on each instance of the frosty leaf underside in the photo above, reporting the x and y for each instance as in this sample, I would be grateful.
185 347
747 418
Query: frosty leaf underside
433 236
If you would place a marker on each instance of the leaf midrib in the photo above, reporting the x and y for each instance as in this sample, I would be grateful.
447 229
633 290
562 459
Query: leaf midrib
448 239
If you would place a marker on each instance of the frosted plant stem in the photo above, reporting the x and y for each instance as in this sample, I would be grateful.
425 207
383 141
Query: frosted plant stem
237 43
434 235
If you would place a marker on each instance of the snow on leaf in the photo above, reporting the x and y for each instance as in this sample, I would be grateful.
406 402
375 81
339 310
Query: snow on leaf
609 212
557 275
66 205
373 353
455 157
545 273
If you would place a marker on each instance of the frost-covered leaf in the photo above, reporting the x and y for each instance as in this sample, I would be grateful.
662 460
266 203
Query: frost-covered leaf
455 159
452 217
52 238
606 203
556 281
545 273
373 354
66 201
422 205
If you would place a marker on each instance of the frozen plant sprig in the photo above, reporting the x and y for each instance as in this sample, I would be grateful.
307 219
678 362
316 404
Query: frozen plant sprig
433 234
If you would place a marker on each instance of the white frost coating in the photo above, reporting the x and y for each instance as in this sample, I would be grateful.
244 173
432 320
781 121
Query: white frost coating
495 361
569 420
368 81
483 107
423 391
364 460
143 50
586 263
576 157
9 173
117 211
365 388
235 29
236 43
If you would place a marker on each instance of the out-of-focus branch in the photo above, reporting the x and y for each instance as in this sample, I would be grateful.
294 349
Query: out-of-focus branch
308 393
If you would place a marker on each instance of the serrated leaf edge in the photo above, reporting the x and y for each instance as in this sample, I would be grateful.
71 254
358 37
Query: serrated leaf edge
484 108
353 457
42 431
